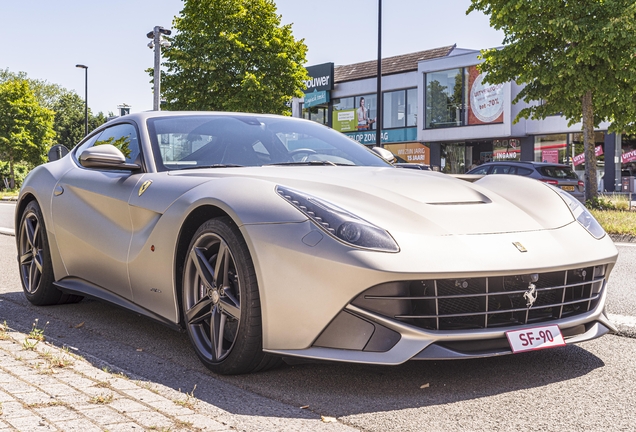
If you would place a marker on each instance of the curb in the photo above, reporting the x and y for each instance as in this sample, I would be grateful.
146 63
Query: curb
7 231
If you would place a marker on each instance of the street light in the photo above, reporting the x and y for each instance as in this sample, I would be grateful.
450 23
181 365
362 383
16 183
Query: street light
157 43
81 66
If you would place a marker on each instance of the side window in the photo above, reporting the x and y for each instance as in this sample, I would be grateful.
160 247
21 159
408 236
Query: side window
124 137
523 171
501 169
480 170
79 149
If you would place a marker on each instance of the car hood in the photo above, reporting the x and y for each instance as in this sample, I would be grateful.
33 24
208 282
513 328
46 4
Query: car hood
420 202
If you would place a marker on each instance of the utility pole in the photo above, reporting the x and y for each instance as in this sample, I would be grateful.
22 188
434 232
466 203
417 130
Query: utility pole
378 122
81 66
156 43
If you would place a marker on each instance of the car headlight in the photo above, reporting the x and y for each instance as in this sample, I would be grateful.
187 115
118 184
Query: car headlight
339 223
581 214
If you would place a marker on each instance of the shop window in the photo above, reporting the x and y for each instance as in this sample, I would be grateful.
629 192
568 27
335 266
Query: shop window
399 109
366 111
578 153
453 158
445 99
316 113
551 148
394 109
411 107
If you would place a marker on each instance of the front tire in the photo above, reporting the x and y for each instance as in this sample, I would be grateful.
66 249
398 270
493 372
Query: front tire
221 304
34 258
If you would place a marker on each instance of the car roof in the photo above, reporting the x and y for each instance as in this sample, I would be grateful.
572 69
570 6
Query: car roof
533 163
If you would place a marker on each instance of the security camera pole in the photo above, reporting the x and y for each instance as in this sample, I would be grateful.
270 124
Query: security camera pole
157 43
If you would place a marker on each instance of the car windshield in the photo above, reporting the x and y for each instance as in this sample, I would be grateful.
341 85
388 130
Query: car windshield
558 172
219 141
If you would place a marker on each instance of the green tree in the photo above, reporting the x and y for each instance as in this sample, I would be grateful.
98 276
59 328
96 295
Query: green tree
69 119
68 107
46 93
26 127
232 55
577 58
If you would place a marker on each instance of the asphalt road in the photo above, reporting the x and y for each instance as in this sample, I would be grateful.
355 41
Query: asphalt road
586 387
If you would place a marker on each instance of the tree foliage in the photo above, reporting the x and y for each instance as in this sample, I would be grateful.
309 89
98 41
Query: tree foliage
577 58
69 119
232 55
68 107
26 127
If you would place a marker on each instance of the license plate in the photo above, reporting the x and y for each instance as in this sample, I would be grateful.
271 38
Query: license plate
535 338
568 188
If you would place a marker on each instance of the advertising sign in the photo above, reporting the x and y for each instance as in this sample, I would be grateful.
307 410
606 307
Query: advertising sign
485 101
580 158
345 120
508 149
628 157
412 152
551 156
388 136
316 98
320 78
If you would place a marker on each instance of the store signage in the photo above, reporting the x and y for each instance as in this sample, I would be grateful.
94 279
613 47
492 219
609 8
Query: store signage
316 98
393 135
345 120
628 157
412 152
580 158
508 149
486 100
320 78
551 156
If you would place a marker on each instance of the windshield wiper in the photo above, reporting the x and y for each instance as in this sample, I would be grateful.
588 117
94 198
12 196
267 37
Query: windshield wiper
322 163
213 166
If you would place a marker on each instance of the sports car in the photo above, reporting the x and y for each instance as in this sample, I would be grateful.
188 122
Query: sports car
269 237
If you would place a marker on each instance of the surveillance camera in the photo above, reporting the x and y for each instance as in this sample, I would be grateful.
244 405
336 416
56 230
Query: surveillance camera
165 44
151 45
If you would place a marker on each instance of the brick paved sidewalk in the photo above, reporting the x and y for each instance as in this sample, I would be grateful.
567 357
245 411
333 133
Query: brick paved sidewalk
45 388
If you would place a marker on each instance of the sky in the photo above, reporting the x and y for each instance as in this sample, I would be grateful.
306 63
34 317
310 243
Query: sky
46 39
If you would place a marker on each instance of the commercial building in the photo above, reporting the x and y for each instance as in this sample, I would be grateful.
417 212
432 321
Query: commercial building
438 110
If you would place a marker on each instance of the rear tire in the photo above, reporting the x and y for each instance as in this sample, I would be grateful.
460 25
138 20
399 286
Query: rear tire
221 303
34 258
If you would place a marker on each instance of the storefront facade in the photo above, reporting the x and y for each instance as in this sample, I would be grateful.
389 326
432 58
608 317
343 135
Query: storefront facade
438 110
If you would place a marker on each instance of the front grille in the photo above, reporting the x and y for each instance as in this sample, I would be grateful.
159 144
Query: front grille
487 302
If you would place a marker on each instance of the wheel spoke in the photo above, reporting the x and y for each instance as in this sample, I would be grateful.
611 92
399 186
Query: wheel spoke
230 309
200 311
221 266
37 259
30 231
34 277
206 274
217 327
26 257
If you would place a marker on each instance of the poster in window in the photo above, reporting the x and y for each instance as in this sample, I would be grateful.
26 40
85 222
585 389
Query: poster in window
485 101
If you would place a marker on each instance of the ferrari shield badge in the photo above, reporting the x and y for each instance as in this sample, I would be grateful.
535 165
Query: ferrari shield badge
144 186
517 245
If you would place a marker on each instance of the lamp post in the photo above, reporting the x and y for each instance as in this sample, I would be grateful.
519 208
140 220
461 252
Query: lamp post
81 66
157 43
378 122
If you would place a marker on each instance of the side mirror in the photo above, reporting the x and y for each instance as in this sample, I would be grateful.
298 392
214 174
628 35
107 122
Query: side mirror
384 154
57 152
105 156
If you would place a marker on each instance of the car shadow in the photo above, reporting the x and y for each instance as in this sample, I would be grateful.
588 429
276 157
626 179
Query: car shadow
122 341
